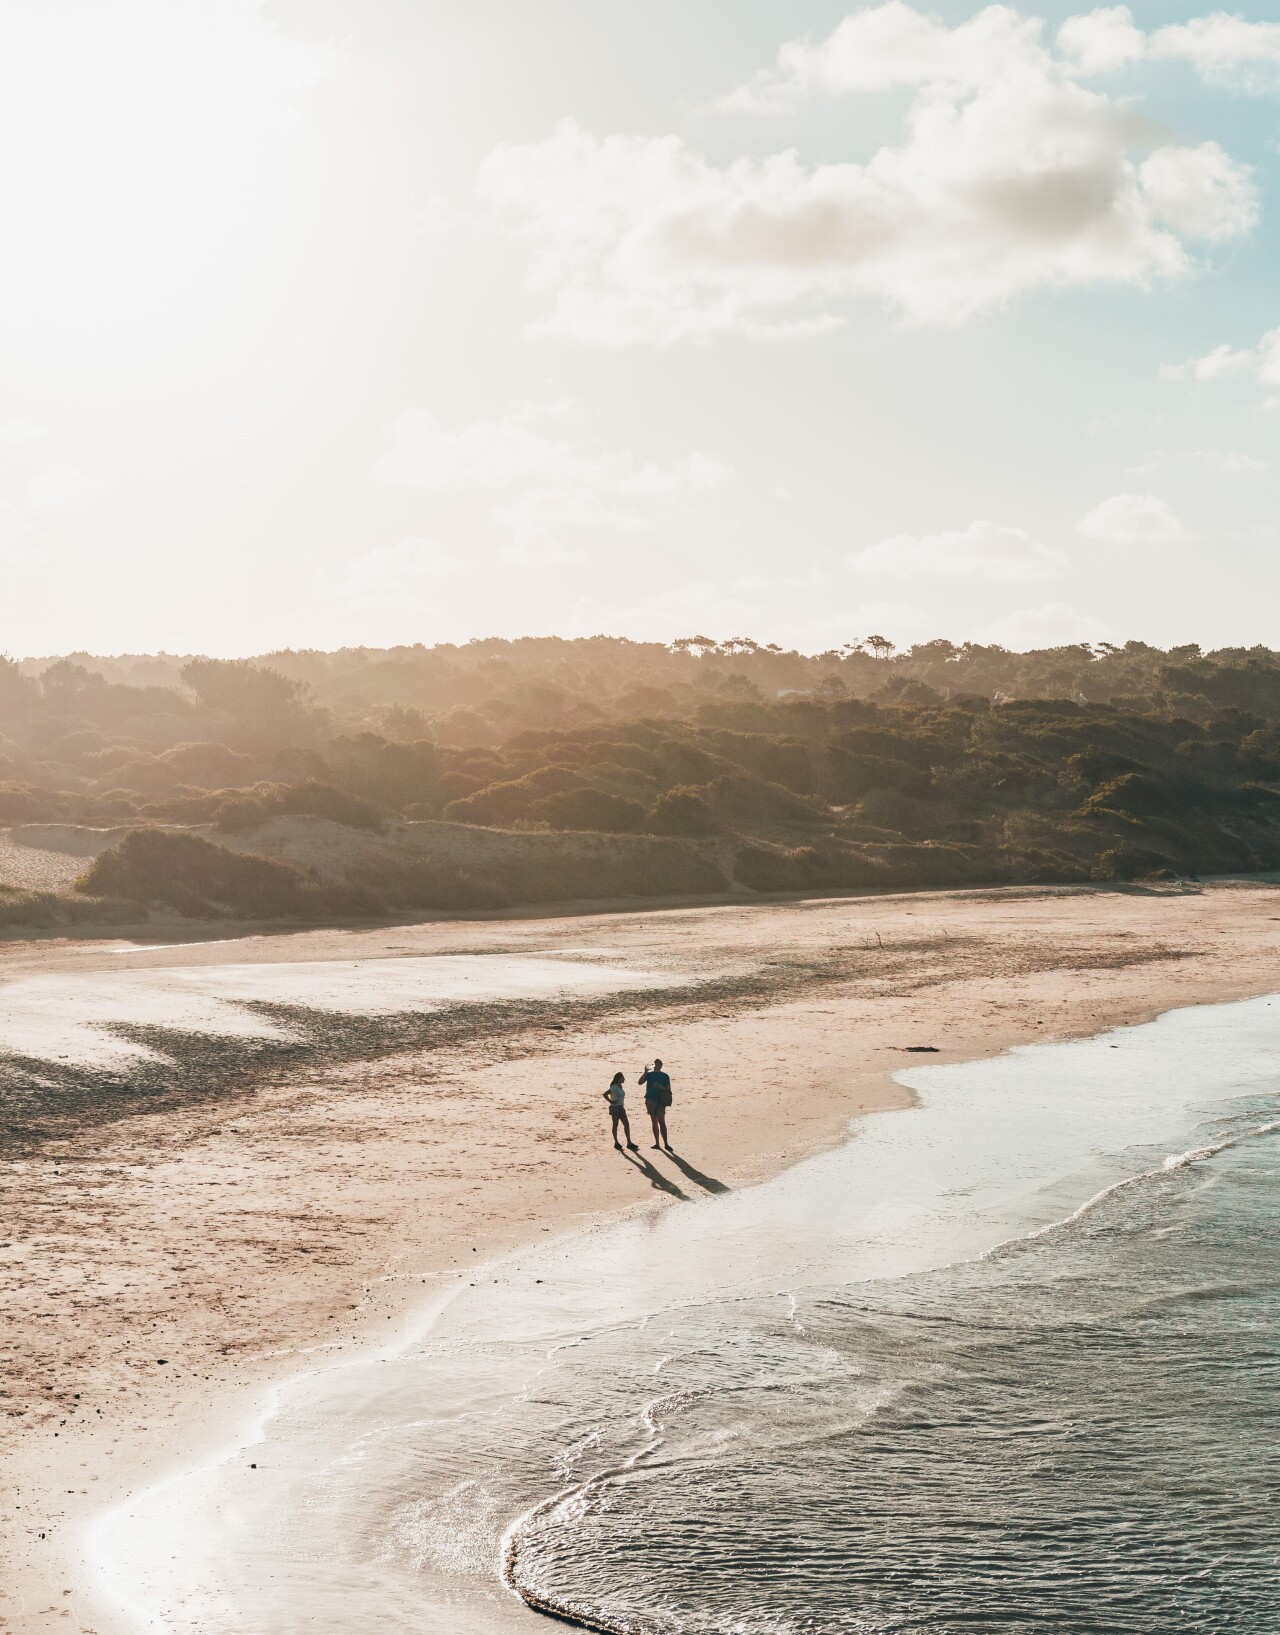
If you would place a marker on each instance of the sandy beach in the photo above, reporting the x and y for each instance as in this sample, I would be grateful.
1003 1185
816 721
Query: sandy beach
274 1172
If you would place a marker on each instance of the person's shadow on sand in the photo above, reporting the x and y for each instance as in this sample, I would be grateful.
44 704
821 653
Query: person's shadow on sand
708 1183
655 1178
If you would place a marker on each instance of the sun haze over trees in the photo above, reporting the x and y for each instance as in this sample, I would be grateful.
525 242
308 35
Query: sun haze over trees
774 770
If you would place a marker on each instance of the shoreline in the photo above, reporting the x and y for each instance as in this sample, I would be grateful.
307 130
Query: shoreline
845 1074
427 1318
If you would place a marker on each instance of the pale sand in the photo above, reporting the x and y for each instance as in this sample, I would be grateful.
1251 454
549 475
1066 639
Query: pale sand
271 1212
32 868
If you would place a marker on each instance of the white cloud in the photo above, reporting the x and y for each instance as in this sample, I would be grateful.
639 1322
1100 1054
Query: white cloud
891 46
1218 462
1114 427
1230 463
20 433
529 446
391 575
1101 41
17 544
1053 625
1262 362
546 480
1132 519
983 550
61 488
1225 50
486 454
1009 177
1199 193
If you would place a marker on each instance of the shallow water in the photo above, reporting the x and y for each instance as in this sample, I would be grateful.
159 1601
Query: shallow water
910 1385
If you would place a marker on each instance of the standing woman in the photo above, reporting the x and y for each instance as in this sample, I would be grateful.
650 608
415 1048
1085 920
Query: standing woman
657 1098
615 1095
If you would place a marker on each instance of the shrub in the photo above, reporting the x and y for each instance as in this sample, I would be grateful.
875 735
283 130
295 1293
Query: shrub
19 803
1132 794
77 744
559 868
645 700
102 762
193 875
208 766
901 690
513 798
392 774
682 811
742 795
457 786
853 776
47 909
28 907
1128 862
588 808
182 806
834 867
245 809
312 799
764 869
903 814
145 775
464 726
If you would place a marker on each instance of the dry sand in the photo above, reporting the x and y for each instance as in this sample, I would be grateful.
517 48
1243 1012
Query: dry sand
238 1206
40 859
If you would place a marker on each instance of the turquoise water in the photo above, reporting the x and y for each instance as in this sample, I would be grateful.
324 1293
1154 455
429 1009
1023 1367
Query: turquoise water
1004 1362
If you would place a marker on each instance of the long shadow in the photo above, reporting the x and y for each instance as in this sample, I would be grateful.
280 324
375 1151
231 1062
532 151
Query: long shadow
655 1178
708 1183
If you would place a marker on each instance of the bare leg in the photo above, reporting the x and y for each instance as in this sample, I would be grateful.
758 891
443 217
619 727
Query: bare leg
626 1127
662 1125
619 1117
655 1118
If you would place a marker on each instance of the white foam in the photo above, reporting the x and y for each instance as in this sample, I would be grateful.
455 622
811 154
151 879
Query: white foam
993 1150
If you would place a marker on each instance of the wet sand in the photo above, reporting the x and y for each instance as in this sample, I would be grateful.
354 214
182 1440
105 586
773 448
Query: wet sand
237 1201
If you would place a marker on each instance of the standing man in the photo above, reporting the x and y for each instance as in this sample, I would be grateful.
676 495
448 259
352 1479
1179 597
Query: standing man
657 1098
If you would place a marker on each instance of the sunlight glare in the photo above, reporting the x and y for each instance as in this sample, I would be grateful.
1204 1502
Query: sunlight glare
144 149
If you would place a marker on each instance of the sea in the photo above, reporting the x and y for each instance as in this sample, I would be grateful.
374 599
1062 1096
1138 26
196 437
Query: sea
1005 1361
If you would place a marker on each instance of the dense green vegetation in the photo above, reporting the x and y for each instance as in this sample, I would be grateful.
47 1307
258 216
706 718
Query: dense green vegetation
774 770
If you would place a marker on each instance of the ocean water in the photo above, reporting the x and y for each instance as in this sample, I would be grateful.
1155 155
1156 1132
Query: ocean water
1007 1361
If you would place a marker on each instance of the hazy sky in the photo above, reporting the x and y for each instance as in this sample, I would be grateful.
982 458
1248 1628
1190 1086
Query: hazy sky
329 322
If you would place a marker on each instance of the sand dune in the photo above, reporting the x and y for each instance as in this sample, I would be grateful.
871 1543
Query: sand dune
49 856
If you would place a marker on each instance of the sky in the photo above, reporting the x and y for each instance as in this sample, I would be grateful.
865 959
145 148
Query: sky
359 322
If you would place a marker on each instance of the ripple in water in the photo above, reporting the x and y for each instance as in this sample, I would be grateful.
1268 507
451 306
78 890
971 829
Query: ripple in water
1077 1433
785 1412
